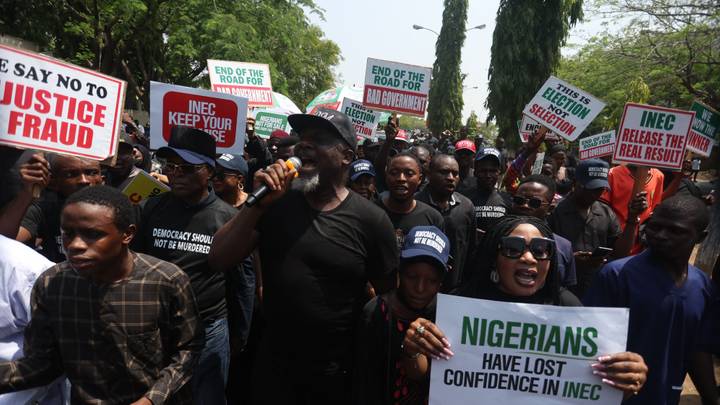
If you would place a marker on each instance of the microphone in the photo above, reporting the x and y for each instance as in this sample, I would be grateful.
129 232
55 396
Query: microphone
263 190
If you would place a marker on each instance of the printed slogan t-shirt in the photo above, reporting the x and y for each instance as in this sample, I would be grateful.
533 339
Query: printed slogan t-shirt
175 232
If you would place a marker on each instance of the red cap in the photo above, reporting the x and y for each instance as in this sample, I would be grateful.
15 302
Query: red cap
279 133
465 144
401 135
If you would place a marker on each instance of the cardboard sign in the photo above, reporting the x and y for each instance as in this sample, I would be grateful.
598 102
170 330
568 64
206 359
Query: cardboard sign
398 87
653 136
55 106
519 354
602 144
249 80
221 115
144 186
563 108
527 126
267 121
364 119
705 130
707 121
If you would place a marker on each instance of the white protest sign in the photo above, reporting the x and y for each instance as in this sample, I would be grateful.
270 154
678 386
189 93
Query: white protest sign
221 115
528 126
399 87
519 354
563 108
602 144
364 119
244 79
653 136
55 106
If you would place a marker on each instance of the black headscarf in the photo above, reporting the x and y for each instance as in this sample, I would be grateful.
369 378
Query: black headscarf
480 285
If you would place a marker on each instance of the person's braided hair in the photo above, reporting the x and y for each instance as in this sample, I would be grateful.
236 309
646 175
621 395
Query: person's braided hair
486 260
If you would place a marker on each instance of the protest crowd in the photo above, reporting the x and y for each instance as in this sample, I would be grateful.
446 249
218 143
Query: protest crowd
308 266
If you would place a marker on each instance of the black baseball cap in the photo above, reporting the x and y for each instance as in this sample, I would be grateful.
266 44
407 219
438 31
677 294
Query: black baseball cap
331 120
427 241
486 152
360 167
592 174
191 144
233 162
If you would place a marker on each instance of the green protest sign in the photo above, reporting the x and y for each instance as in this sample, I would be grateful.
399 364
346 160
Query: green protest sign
266 122
705 130
707 121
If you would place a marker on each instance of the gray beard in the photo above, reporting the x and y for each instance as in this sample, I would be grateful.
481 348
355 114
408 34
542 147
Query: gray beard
306 184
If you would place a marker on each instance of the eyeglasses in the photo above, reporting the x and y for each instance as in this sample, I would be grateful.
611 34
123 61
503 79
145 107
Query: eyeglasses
513 247
532 202
72 174
185 168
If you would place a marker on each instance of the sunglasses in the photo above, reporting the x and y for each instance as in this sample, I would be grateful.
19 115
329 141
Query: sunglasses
184 168
532 202
513 247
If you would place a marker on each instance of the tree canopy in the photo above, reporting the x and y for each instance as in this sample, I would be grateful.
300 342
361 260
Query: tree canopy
445 101
170 41
525 51
666 55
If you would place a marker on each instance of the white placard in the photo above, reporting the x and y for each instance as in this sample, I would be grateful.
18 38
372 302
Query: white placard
55 106
563 108
221 115
519 354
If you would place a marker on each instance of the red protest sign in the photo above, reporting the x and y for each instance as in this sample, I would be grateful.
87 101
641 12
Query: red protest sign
653 136
55 106
221 115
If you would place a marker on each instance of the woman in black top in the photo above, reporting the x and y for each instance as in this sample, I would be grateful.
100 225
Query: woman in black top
379 377
519 266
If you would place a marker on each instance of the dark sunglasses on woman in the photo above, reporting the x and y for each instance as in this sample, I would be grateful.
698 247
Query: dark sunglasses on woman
513 247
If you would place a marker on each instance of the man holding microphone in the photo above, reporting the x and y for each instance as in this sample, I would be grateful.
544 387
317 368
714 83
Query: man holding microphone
319 245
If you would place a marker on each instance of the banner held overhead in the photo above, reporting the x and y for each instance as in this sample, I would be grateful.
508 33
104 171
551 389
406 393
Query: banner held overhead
244 79
398 87
55 106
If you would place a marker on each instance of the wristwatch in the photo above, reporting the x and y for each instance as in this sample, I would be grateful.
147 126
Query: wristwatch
633 220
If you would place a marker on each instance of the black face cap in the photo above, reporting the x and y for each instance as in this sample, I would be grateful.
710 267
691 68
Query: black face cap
191 144
333 121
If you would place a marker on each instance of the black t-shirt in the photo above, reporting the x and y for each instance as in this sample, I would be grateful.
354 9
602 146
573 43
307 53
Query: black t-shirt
422 215
175 232
315 269
489 207
42 220
460 229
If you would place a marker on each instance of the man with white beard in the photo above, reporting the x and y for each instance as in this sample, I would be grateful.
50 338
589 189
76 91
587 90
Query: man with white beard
320 244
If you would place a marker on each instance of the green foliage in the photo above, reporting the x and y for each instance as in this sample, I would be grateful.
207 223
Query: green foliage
472 122
525 51
409 123
665 56
445 101
170 41
489 132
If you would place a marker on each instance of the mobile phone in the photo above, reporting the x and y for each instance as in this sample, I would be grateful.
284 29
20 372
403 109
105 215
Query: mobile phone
601 251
